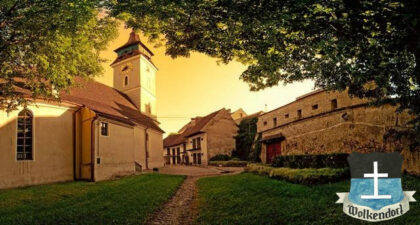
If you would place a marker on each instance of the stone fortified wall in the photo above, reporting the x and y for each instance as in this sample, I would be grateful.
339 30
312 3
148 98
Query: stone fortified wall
353 126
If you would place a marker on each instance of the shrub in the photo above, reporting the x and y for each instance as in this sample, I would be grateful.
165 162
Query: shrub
230 163
337 160
220 157
308 176
259 169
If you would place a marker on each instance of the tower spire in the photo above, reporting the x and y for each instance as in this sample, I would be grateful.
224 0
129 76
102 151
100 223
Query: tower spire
132 47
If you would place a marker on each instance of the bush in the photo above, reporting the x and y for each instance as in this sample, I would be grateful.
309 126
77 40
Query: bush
338 160
308 176
231 163
220 157
259 169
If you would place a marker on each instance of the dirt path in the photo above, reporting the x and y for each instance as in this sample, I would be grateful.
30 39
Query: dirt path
182 208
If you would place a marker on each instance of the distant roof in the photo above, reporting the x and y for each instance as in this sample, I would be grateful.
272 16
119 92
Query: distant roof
195 128
239 110
108 102
250 116
173 139
200 123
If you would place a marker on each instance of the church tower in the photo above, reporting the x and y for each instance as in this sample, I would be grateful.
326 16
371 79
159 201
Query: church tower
135 74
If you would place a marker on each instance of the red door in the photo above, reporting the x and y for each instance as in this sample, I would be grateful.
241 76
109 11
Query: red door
273 150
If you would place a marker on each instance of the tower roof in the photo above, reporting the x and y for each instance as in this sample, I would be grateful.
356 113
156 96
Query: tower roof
133 40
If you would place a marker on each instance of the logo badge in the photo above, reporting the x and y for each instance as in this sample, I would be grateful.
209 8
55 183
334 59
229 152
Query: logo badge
376 191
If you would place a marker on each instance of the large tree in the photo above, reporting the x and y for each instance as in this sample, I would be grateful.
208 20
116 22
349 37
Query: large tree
45 44
371 47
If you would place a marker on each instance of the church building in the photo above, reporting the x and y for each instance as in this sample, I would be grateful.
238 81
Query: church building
94 133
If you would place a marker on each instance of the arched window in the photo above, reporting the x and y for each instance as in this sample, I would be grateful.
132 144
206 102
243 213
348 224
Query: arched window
125 80
24 135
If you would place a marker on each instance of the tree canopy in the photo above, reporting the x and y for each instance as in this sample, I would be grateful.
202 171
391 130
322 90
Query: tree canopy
371 47
45 44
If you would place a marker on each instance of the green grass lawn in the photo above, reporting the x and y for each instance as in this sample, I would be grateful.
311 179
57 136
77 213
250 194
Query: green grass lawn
125 201
252 199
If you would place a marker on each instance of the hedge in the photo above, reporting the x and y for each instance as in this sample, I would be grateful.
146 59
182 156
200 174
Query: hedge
337 160
231 163
307 176
220 157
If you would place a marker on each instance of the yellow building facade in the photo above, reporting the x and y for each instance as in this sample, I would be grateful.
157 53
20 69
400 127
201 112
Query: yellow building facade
201 139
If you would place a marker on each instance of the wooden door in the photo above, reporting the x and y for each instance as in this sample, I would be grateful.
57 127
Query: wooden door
273 150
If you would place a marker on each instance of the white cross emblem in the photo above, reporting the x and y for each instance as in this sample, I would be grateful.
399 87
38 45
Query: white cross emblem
375 175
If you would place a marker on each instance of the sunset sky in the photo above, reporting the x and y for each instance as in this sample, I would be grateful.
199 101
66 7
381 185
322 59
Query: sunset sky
196 86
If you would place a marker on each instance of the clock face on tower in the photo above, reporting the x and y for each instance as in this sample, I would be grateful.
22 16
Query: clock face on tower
126 68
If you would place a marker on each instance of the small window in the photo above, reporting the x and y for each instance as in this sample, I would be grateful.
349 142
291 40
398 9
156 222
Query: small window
275 122
314 107
265 123
334 104
104 129
24 135
126 81
286 116
299 114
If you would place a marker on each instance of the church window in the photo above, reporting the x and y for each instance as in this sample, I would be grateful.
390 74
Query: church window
104 129
24 135
286 116
126 81
314 107
275 122
265 123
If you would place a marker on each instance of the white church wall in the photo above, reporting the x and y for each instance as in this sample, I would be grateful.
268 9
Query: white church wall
52 147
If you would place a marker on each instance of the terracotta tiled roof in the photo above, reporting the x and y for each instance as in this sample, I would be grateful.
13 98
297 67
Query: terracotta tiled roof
199 124
108 102
173 139
191 129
